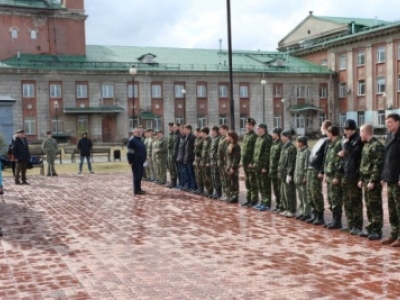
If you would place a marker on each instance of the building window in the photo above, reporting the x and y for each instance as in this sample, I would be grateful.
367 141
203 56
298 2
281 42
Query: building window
342 62
223 120
201 91
33 34
28 90
201 121
130 90
361 87
342 119
323 92
243 121
321 118
361 118
381 54
179 120
14 33
342 90
324 62
223 91
278 121
55 90
300 121
244 91
157 123
361 58
302 92
82 124
179 91
133 123
56 125
277 91
156 91
381 118
81 91
107 91
381 82
30 125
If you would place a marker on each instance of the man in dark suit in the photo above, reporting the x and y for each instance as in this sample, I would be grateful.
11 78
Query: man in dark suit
21 156
136 156
189 158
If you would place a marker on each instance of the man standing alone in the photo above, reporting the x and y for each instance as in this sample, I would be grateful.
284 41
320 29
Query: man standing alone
85 146
50 148
21 156
136 155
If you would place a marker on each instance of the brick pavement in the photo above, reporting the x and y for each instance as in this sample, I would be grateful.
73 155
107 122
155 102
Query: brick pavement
87 237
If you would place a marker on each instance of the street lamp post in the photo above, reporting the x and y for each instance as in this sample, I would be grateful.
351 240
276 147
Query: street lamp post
263 83
184 106
232 103
56 108
283 113
133 72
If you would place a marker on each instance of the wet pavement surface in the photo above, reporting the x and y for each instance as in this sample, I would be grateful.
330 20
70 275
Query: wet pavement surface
88 237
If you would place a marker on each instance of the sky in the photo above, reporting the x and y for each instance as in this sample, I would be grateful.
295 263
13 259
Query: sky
256 24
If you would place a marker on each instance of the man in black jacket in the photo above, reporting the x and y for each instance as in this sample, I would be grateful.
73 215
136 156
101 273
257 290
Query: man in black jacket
85 146
21 156
136 155
391 176
180 155
351 193
189 158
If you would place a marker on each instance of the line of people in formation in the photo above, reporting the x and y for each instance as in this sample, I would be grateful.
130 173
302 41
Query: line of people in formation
357 163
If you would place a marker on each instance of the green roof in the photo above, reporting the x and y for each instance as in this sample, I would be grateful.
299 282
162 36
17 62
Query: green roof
357 21
120 58
93 110
148 115
42 4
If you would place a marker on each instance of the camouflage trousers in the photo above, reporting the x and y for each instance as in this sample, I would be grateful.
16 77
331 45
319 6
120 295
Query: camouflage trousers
276 182
216 177
373 201
304 206
172 169
154 167
50 157
233 183
199 174
162 170
352 203
148 170
208 184
264 187
314 191
288 196
393 191
225 184
334 195
251 184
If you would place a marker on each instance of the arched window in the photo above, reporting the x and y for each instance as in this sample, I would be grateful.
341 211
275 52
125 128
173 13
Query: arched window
33 34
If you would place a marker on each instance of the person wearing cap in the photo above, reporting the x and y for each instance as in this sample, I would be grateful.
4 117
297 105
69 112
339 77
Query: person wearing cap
85 146
205 161
160 151
171 155
21 156
333 177
215 170
148 168
221 161
351 193
315 176
300 177
247 151
50 148
274 156
260 167
287 164
372 160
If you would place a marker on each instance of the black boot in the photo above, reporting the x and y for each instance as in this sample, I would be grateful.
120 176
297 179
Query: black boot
217 194
313 217
320 219
326 225
1 232
337 221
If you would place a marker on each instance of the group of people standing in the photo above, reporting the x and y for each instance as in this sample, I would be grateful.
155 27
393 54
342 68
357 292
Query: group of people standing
207 162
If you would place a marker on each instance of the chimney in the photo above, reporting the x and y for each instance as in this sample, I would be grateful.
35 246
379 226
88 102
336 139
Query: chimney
311 12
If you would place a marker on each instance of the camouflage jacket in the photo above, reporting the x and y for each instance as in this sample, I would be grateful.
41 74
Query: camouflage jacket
171 143
222 144
261 153
274 156
205 150
247 150
214 149
333 162
372 160
49 146
232 157
198 145
160 148
300 172
287 160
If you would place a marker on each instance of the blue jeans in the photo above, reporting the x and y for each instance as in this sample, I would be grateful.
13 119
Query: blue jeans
190 176
88 163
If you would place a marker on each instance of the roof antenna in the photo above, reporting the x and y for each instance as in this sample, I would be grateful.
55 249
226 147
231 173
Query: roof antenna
220 45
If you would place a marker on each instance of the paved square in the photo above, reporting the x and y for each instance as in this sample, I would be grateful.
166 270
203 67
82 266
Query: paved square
88 237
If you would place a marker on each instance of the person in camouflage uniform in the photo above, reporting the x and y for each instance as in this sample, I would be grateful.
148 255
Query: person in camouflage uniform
391 176
50 148
232 166
247 151
148 143
260 167
160 149
198 170
171 155
154 166
222 145
215 170
287 164
372 160
205 161
351 193
300 177
274 156
333 176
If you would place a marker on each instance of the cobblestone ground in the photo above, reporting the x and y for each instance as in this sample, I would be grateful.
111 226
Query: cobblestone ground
88 237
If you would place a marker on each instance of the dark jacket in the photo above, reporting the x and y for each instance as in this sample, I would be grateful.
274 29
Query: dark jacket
317 156
181 149
391 170
176 144
85 145
136 153
189 149
20 150
352 159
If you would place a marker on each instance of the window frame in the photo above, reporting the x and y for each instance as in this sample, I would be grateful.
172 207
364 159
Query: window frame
244 91
342 62
323 92
278 121
380 85
221 88
381 118
79 94
33 90
342 90
156 91
361 58
342 119
178 88
361 88
54 122
381 54
107 91
222 119
201 90
201 121
30 125
130 91
55 90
